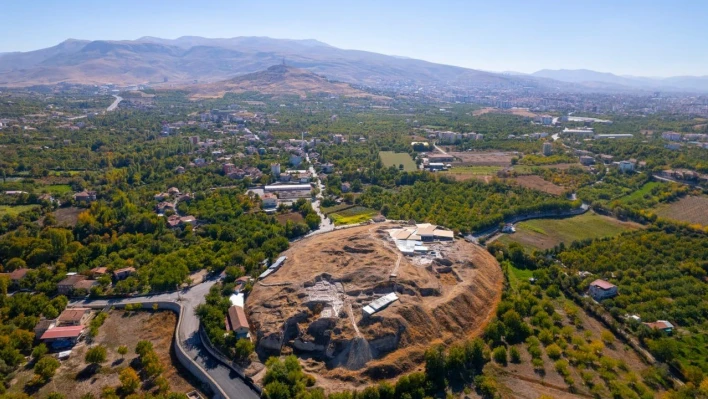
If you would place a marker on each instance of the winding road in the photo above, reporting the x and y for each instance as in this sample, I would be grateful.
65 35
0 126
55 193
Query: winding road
115 103
229 382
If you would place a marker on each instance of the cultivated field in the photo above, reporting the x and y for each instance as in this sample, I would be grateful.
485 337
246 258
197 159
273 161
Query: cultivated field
353 215
537 183
14 210
67 216
524 380
73 378
484 173
294 217
473 158
544 234
689 209
390 158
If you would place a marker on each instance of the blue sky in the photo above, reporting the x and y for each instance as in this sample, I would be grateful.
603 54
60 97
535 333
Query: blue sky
646 38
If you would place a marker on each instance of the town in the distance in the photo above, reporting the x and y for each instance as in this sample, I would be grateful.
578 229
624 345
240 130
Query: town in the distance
253 217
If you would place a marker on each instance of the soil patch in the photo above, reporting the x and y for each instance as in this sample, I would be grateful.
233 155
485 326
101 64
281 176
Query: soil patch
537 183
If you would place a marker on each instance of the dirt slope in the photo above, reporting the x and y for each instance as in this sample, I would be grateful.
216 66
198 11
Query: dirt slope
441 300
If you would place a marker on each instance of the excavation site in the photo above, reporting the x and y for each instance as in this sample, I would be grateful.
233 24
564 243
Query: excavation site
367 301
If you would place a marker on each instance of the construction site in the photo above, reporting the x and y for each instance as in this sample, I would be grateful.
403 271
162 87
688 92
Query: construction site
367 301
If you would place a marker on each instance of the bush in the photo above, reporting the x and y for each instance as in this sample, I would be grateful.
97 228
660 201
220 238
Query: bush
515 355
243 348
129 380
499 355
554 351
46 367
96 355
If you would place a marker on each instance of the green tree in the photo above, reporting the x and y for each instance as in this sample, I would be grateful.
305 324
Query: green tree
96 355
122 351
499 355
129 380
243 348
46 367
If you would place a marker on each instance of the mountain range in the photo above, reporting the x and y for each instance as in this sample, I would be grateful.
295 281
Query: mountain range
197 60
593 78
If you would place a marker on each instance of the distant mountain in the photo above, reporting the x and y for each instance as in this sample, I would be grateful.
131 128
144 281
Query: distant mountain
590 78
198 60
188 59
278 80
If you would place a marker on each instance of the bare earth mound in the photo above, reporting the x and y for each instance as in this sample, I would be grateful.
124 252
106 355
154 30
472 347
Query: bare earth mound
313 306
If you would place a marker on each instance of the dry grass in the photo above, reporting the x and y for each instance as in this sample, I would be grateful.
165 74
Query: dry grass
67 216
691 209
74 380
537 183
473 158
515 111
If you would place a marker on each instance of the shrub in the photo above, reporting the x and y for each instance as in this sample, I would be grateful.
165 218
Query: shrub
554 351
46 367
243 348
129 380
562 367
499 355
96 355
607 337
515 355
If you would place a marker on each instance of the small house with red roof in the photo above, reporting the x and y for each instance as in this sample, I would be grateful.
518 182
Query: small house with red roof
601 289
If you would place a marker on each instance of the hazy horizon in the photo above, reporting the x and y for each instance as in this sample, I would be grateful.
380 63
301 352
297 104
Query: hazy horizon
632 38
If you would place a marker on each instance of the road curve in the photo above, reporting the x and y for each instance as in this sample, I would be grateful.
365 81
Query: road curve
115 103
228 381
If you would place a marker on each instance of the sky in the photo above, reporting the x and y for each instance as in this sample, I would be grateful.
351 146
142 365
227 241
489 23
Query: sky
626 37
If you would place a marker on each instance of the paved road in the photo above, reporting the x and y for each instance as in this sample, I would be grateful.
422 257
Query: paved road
229 381
113 106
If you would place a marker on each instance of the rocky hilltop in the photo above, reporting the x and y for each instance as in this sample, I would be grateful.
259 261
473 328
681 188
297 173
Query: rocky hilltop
314 305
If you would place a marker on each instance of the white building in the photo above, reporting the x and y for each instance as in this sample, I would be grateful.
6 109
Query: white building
626 166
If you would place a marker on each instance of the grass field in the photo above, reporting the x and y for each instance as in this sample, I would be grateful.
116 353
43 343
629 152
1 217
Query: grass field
544 234
58 189
390 158
353 215
639 194
689 209
15 210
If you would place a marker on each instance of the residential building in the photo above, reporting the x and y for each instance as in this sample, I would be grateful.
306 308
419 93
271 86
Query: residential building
671 136
546 120
586 132
295 159
228 168
440 158
65 286
173 191
270 200
74 317
661 325
236 321
122 274
626 166
587 160
83 287
16 276
327 168
346 187
338 139
275 169
62 336
601 289
85 196
194 140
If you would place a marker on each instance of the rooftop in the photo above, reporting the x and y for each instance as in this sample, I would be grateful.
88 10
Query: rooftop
605 285
63 332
